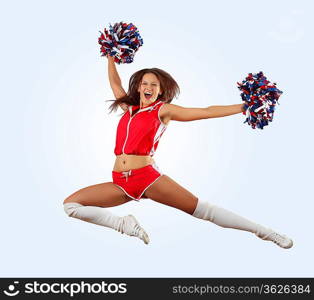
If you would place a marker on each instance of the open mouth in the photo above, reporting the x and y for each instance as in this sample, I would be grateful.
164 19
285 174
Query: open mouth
148 95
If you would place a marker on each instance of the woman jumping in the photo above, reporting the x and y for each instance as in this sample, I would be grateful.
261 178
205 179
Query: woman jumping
135 175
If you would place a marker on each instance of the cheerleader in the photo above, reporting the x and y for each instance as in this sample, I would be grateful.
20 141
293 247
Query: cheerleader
147 112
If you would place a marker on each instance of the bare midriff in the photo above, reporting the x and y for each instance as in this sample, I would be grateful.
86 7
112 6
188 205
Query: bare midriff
126 162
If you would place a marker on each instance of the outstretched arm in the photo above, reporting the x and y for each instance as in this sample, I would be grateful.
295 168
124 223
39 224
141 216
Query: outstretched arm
179 113
115 81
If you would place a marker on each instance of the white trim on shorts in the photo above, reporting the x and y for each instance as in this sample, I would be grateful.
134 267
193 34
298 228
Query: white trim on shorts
157 169
125 191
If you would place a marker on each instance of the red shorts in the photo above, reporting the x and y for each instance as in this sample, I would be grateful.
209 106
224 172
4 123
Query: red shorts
135 182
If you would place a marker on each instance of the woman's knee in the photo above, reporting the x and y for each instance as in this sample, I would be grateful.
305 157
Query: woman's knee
70 199
70 208
193 204
204 210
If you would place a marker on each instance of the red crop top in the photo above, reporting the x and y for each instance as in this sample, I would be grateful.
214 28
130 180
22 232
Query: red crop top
138 133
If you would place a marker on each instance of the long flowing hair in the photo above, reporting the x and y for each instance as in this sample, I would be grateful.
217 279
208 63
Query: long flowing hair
168 86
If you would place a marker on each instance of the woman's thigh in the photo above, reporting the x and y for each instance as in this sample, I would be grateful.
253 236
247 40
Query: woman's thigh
166 191
103 194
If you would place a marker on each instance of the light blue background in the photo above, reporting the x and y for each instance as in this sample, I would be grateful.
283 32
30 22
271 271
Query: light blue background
58 137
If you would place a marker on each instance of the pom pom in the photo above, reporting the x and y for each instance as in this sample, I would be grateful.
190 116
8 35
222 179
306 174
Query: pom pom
122 40
260 98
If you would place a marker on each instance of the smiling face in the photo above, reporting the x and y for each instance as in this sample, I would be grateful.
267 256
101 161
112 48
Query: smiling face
149 89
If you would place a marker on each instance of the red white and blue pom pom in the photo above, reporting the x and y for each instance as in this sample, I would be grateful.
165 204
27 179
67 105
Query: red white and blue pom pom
122 40
260 98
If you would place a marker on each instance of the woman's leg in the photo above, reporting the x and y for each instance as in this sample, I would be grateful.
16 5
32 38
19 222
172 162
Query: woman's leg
168 192
89 204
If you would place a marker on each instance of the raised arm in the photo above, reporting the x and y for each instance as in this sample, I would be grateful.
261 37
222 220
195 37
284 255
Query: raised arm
184 114
115 81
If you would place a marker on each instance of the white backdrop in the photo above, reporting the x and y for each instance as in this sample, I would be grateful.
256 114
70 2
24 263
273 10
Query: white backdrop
58 137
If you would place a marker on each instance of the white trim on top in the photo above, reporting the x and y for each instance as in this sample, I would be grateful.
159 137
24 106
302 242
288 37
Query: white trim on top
162 127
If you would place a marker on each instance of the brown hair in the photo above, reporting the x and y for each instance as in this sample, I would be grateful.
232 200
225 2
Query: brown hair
168 86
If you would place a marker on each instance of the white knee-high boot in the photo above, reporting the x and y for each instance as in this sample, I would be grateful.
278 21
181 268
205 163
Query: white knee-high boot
103 217
228 219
